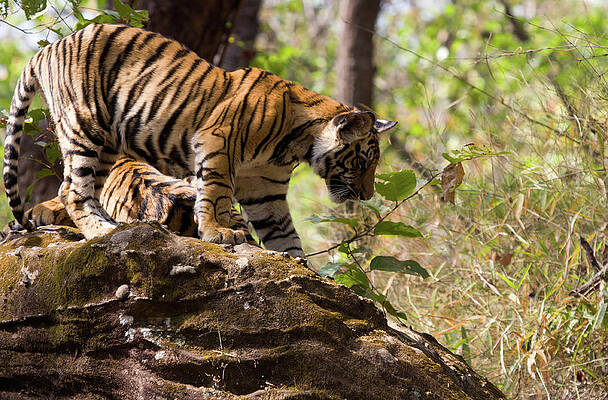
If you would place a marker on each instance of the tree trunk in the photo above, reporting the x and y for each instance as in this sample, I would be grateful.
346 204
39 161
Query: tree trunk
356 51
356 56
144 314
200 25
239 53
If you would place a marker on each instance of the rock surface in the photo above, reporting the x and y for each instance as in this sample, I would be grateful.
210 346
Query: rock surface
144 314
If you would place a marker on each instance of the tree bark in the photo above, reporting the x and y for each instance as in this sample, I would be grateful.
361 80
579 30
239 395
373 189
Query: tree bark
239 53
200 25
355 62
356 51
144 314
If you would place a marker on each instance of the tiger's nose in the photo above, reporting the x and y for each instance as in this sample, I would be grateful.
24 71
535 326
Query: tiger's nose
365 196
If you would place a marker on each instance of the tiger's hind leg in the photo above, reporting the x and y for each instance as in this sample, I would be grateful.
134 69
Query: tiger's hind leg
81 183
108 158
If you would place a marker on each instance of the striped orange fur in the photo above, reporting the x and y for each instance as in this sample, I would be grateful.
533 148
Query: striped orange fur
114 90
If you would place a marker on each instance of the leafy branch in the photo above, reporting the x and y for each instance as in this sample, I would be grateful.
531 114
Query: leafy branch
397 187
370 230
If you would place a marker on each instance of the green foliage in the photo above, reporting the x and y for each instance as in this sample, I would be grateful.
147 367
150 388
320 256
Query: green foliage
351 272
396 228
315 219
123 14
396 186
470 152
391 264
504 256
32 7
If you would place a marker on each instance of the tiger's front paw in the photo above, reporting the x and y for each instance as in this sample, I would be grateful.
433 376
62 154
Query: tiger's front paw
219 234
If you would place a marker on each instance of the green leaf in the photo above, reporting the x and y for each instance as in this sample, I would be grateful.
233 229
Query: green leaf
470 152
352 277
29 190
38 114
397 185
315 219
330 269
52 153
32 7
389 263
601 314
343 248
129 15
396 228
393 311
105 19
507 281
376 205
44 172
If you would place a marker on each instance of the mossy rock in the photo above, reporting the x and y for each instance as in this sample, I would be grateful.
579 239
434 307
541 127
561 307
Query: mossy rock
199 321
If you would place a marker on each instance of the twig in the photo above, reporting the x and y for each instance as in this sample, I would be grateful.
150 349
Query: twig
15 26
590 255
591 284
371 228
463 80
601 274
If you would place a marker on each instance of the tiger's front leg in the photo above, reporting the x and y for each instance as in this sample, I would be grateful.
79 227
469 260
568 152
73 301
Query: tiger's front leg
264 199
214 188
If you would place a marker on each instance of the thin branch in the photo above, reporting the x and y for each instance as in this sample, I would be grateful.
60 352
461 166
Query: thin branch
368 231
15 26
463 80
591 284
590 255
601 274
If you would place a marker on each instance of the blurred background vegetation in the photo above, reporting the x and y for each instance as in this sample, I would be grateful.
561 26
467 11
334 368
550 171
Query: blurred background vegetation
525 77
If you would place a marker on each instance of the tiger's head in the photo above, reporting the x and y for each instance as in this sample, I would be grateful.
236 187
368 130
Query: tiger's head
346 154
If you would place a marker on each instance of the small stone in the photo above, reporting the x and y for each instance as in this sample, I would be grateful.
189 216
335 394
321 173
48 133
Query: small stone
125 319
182 269
302 261
242 262
160 355
246 248
122 292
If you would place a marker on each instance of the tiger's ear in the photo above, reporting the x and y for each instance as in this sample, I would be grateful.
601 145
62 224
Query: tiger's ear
383 125
354 125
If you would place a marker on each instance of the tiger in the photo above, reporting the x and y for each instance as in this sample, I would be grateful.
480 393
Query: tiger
114 90
136 191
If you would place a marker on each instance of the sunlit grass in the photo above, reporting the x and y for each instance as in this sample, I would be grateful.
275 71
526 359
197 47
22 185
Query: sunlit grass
505 257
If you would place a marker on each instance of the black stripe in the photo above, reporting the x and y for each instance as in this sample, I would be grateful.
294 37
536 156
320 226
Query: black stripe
10 153
266 223
156 54
82 171
292 248
285 235
16 127
10 180
84 153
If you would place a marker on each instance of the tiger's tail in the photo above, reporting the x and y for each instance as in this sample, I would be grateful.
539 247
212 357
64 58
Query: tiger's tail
22 98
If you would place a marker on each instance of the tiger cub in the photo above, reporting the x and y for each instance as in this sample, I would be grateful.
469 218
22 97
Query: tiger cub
114 90
136 191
